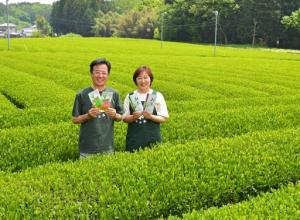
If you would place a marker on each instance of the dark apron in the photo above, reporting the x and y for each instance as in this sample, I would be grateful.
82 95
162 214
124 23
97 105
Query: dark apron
142 133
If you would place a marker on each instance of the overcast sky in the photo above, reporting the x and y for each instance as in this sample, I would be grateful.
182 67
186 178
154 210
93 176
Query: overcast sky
40 1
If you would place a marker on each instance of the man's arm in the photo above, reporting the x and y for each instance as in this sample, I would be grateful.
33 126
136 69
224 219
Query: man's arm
81 118
92 113
117 113
113 114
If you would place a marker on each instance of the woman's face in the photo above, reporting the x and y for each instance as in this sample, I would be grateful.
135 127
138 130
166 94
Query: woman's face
143 82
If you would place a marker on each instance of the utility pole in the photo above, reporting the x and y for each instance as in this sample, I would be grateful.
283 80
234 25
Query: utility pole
162 29
7 22
216 31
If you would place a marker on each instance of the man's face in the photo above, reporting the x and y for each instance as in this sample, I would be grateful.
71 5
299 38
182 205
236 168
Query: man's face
99 75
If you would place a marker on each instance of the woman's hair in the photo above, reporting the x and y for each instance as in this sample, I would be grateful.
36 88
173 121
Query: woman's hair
140 70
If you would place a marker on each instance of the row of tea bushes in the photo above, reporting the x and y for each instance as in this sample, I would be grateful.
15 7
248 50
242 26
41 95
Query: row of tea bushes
180 128
281 204
64 77
34 116
21 148
59 76
5 104
164 181
234 79
207 118
223 104
171 90
24 147
225 80
27 91
231 122
122 81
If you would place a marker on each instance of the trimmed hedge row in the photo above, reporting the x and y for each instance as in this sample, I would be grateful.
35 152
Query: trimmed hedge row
34 116
171 90
228 123
233 82
281 204
21 148
120 79
199 125
6 105
168 180
231 118
27 91
224 104
67 78
24 147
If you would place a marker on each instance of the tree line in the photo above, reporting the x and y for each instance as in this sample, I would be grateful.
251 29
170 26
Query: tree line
264 22
257 22
273 23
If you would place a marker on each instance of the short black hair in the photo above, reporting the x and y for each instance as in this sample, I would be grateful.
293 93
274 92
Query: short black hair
100 61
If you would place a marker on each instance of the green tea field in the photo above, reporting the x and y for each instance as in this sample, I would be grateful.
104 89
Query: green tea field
231 147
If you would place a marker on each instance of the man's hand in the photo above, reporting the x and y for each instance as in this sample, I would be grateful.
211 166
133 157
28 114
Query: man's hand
111 112
93 112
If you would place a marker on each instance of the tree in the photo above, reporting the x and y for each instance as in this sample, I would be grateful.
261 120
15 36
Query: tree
292 21
138 23
179 22
194 20
106 24
43 26
77 16
204 12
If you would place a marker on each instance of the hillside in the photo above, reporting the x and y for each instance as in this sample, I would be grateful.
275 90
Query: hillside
24 14
232 138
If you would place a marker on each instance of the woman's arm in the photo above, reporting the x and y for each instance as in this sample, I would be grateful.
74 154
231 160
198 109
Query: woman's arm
155 118
132 118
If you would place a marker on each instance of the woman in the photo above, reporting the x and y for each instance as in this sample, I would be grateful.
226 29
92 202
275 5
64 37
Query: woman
144 109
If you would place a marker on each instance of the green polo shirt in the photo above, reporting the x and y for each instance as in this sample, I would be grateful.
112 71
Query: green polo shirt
95 135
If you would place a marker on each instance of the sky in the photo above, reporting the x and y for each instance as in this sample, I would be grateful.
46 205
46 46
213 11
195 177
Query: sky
40 1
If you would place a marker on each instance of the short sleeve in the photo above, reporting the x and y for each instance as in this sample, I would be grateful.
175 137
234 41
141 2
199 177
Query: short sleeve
77 107
161 106
126 105
118 104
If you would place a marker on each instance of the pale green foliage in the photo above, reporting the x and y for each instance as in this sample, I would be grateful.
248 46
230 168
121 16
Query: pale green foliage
43 26
138 24
106 25
71 35
171 179
292 21
156 34
281 204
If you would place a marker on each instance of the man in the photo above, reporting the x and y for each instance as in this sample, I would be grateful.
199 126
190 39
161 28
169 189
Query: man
97 128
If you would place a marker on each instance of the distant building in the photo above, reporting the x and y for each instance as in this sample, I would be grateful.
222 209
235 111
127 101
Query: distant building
12 27
28 32
12 30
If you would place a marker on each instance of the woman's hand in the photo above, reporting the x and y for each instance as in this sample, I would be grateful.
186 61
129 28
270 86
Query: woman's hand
147 115
133 117
136 115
